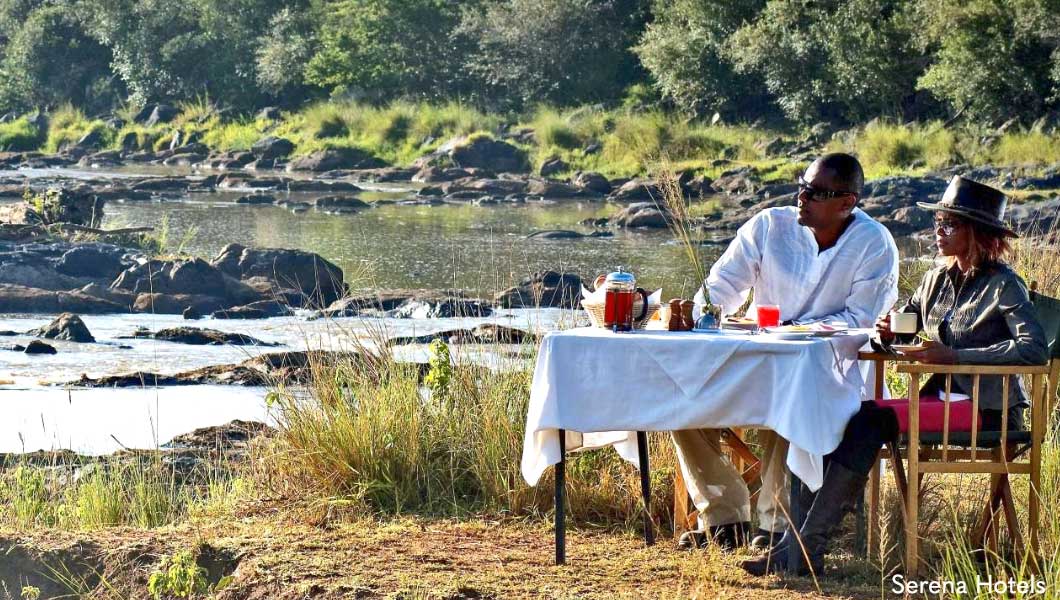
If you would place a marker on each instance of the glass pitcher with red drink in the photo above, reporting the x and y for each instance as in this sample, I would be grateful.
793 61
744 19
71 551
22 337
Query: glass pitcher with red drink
620 289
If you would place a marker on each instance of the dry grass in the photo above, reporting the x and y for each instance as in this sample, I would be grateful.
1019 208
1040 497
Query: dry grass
283 557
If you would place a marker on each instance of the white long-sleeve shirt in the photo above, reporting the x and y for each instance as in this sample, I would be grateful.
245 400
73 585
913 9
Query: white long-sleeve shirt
854 281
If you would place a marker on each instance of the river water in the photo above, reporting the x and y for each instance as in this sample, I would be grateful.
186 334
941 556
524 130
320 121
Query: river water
480 248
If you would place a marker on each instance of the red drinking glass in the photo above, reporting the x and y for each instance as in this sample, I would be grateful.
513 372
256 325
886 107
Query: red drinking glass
768 315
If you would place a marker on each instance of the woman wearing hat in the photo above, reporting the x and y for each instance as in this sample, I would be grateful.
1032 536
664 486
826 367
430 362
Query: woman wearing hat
974 309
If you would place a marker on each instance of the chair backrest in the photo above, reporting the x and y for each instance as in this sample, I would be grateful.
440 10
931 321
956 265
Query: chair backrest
1049 316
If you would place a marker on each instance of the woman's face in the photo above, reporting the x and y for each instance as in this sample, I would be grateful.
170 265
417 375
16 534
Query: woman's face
952 234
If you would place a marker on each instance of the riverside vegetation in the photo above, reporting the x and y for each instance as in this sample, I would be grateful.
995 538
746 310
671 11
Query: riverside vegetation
617 142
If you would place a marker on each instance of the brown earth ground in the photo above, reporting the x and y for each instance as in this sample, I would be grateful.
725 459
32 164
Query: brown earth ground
272 555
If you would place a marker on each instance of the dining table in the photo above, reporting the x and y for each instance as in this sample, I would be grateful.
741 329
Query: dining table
593 387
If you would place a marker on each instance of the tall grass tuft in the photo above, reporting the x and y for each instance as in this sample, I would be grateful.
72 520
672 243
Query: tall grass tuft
1026 149
398 133
886 148
67 125
19 135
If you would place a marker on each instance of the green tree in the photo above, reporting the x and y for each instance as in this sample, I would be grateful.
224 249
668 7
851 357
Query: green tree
49 59
830 59
383 49
171 50
991 59
684 50
559 52
283 53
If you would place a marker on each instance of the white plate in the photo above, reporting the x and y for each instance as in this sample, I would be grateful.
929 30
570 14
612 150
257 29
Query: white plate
828 332
723 331
793 335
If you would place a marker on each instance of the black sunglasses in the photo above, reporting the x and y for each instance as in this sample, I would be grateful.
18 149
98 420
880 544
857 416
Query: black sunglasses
816 195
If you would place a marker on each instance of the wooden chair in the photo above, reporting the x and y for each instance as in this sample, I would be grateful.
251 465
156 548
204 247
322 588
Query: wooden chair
990 452
745 461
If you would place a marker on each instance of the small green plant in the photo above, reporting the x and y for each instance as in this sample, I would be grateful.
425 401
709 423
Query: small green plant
178 576
440 374
30 592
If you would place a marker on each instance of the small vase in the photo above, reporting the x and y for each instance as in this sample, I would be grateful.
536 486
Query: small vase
707 321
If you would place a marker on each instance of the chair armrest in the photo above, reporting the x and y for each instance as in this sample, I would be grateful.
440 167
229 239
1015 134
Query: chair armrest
932 368
883 356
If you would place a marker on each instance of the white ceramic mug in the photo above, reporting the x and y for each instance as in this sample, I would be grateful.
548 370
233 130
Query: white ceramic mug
903 322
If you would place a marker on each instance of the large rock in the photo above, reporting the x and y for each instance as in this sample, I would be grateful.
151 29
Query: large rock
439 174
646 215
316 185
159 113
91 140
737 181
593 182
68 327
255 310
483 152
552 166
638 190
199 337
176 304
21 299
320 281
446 308
553 189
492 187
92 260
184 276
544 289
39 347
104 292
272 147
335 158
39 275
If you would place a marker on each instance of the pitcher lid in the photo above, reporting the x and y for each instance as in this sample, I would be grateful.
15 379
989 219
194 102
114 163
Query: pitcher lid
621 276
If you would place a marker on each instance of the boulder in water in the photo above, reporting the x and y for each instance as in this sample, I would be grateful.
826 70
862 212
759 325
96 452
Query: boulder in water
68 327
39 347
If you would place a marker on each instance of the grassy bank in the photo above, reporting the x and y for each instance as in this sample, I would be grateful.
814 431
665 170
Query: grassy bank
616 142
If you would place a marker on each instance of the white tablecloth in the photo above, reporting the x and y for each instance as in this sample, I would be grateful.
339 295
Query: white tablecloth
612 384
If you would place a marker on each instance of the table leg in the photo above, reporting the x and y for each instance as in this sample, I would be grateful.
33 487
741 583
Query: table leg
795 523
561 525
645 486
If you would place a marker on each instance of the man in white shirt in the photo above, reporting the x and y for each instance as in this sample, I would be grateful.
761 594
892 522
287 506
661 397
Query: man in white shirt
822 260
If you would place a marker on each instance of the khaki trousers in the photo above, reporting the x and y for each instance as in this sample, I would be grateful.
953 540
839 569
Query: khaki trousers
717 489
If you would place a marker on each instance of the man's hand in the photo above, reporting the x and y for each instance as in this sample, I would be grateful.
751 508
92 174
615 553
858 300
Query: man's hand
934 352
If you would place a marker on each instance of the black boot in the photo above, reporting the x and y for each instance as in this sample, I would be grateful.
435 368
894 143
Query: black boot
766 540
836 497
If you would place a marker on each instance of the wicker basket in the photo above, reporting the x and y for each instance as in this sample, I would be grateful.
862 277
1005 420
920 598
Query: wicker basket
596 313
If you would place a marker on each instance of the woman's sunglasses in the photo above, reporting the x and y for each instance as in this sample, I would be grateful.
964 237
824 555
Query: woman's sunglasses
947 226
815 195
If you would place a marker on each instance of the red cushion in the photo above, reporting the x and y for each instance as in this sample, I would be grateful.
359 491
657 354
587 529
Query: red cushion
931 414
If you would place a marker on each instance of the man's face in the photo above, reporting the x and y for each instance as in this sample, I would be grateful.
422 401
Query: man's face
819 208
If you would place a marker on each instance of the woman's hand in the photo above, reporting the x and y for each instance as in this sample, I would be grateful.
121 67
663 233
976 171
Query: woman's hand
883 328
934 352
